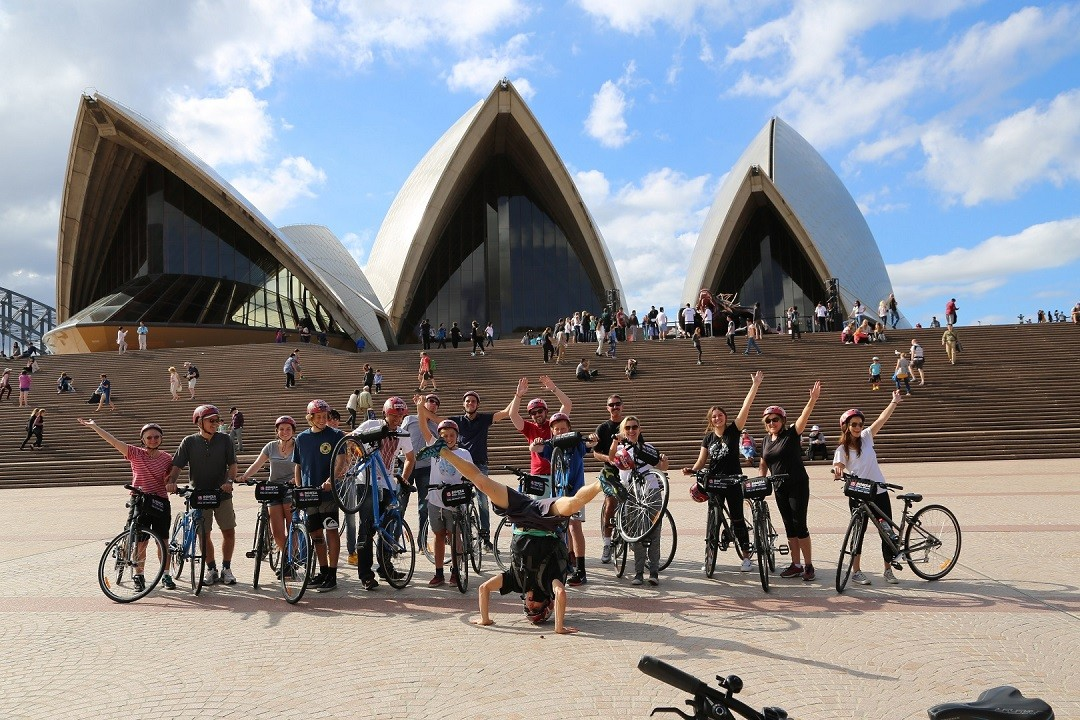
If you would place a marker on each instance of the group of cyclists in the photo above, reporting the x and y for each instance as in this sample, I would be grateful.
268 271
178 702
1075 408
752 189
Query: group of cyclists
548 549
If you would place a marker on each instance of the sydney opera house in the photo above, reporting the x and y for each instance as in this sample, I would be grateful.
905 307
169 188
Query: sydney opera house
149 233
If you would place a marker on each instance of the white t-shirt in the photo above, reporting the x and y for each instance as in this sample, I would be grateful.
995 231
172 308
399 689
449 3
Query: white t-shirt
708 316
688 315
443 473
917 351
821 311
661 319
864 465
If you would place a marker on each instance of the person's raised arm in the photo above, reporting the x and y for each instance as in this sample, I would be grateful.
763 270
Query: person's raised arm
886 413
744 412
108 437
513 414
815 392
423 416
512 406
567 406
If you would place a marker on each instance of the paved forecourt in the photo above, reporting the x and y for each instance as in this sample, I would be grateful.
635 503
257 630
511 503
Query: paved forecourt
1008 614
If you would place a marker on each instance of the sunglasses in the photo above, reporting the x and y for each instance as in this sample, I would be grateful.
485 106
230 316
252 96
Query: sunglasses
632 427
855 424
771 420
433 400
538 412
615 404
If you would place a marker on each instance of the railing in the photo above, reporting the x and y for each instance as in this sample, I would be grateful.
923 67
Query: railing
23 320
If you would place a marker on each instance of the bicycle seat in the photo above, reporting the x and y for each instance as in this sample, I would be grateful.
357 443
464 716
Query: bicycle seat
910 497
1000 703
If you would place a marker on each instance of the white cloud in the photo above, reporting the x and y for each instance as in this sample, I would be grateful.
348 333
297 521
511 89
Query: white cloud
479 73
606 121
1032 145
972 272
273 190
359 245
638 16
650 229
233 128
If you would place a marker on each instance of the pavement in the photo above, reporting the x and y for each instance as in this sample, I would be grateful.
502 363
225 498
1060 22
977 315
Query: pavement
1007 614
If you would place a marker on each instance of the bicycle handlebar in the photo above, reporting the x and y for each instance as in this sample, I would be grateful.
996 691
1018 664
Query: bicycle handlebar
852 476
686 682
516 471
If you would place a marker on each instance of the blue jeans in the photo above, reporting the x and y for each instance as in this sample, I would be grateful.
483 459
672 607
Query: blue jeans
751 344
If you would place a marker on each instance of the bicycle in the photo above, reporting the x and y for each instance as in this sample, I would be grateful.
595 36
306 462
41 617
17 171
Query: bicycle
187 542
620 546
646 499
755 490
458 498
263 546
528 484
298 556
930 542
364 476
719 533
122 569
711 704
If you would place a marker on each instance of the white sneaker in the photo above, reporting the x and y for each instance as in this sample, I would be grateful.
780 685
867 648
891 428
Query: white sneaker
890 577
747 565
605 555
859 579
211 577
227 576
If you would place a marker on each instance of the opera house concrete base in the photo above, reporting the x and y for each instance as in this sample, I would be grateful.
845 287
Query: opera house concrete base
102 338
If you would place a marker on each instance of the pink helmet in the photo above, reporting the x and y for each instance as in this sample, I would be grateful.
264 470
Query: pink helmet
285 420
558 416
538 615
395 405
317 406
448 425
850 414
623 461
537 404
151 426
203 411
774 410
697 494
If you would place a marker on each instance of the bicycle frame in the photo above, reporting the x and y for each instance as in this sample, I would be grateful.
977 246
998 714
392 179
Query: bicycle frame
382 481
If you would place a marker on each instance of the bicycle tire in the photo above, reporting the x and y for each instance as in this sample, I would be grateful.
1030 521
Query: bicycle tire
618 555
397 552
712 537
197 558
119 562
459 552
643 507
673 543
938 542
176 547
849 548
476 542
260 547
296 563
501 544
352 482
772 537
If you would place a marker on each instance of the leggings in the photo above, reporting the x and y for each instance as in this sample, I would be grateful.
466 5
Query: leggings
881 501
793 499
734 498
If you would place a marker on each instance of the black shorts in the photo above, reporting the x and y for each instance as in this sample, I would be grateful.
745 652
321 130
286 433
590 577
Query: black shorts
157 523
917 363
321 517
554 569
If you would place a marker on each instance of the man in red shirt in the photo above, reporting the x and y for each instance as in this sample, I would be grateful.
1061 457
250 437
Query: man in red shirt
538 427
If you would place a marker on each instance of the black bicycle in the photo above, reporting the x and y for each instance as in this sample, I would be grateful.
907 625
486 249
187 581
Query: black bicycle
458 497
125 564
263 546
755 490
928 541
719 534
709 703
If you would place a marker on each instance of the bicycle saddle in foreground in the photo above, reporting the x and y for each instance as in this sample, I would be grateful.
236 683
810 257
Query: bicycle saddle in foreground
996 704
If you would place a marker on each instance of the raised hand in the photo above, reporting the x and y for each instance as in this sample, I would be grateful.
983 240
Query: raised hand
546 382
815 392
757 378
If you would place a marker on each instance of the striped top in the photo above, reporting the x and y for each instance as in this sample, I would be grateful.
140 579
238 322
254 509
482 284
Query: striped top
149 473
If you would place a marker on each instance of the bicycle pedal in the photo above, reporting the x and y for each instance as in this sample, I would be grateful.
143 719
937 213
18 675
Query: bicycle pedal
783 549
896 566
249 554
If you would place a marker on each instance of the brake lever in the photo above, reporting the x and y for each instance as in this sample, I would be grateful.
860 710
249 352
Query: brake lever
677 711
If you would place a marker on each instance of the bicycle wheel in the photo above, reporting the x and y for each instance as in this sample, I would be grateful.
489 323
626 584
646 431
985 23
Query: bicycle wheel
669 540
503 536
397 552
644 505
476 542
196 557
772 537
176 547
119 565
849 549
260 548
296 563
352 482
618 555
712 537
762 548
460 551
932 542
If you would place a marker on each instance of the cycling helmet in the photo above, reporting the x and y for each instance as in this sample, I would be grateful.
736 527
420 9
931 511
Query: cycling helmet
433 396
474 394
151 426
448 424
286 420
697 494
317 406
774 410
850 414
537 615
537 404
623 461
203 411
395 405
558 416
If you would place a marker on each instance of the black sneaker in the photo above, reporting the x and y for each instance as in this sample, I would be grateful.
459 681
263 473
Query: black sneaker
330 583
577 579
432 450
167 581
317 579
612 485
393 574
370 584
488 547
140 583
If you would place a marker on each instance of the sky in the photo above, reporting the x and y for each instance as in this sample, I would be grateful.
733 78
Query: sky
955 124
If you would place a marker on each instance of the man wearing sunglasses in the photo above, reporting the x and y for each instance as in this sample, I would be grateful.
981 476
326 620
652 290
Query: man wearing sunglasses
537 426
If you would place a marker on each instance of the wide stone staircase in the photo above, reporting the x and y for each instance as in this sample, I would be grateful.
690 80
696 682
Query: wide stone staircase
1014 394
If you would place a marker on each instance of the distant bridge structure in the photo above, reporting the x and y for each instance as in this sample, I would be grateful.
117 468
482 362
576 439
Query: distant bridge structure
23 320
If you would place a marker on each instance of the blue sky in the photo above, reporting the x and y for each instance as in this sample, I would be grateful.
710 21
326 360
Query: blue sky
953 123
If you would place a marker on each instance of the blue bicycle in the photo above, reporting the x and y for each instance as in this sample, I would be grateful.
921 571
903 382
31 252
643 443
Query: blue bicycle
187 542
298 556
363 477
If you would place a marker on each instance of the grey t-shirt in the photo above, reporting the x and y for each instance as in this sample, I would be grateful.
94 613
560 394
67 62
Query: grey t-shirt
207 461
282 468
412 424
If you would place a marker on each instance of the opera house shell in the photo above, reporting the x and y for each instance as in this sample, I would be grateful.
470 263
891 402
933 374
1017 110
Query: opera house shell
489 227
781 228
149 233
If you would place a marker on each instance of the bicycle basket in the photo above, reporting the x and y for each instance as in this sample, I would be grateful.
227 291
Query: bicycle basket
755 488
717 483
153 505
534 485
647 454
269 492
859 489
306 497
455 495
205 499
